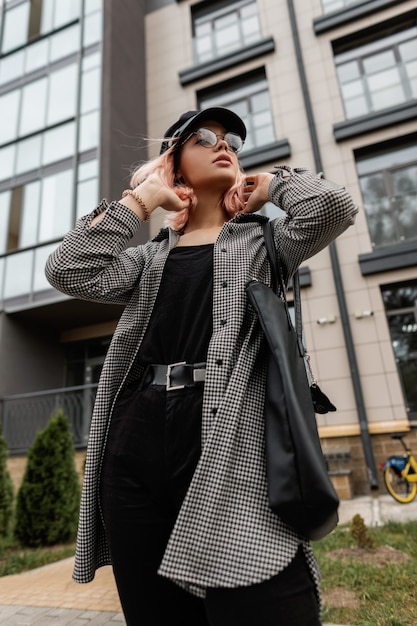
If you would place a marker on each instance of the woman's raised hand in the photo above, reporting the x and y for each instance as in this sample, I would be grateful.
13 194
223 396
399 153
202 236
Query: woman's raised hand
255 191
154 192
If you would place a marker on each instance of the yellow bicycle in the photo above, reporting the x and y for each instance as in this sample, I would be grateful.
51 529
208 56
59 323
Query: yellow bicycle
400 474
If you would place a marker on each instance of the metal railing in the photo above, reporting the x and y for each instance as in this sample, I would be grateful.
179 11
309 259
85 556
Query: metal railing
22 416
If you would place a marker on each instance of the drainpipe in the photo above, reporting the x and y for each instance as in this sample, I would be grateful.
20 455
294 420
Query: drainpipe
357 387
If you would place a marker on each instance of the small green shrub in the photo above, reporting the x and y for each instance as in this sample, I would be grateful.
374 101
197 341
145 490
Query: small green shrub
359 531
6 490
49 496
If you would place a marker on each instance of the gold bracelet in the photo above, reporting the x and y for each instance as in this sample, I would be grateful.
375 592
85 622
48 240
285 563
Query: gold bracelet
131 192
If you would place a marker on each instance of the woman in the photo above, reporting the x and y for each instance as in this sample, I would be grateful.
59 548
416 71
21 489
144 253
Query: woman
175 491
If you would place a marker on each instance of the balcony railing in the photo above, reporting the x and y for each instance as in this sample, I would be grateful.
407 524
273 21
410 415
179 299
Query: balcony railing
22 416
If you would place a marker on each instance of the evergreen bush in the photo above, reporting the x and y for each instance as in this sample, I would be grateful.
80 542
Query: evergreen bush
6 490
49 496
359 531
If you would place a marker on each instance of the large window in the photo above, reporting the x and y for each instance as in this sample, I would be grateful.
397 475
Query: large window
46 209
50 101
250 100
379 74
50 85
329 6
401 310
29 20
224 27
39 103
388 181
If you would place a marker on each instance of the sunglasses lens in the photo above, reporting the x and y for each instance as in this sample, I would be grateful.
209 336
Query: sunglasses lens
234 142
208 139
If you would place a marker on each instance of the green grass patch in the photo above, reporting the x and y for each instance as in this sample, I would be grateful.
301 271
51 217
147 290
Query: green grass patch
376 592
14 559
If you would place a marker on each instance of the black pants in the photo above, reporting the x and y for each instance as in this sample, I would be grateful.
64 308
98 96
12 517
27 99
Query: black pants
149 461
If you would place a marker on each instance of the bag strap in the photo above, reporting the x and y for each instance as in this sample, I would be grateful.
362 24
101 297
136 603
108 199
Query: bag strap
279 287
321 402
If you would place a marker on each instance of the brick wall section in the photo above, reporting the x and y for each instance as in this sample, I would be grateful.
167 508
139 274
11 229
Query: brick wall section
346 485
383 446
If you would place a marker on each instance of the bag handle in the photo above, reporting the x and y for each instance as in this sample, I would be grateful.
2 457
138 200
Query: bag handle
321 402
279 287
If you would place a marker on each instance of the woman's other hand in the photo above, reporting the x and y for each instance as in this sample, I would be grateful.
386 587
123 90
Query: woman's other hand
154 193
255 191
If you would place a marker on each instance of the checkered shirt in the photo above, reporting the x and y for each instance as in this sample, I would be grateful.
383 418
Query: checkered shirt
225 534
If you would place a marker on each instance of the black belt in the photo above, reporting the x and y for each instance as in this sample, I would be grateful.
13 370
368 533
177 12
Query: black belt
176 375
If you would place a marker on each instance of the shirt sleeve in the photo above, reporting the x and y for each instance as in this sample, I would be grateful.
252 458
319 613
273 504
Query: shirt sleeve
93 263
317 211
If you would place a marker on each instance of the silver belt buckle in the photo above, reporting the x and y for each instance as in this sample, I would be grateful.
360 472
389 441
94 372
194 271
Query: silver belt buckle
170 387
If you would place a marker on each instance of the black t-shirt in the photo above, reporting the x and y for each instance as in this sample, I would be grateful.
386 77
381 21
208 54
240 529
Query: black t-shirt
181 323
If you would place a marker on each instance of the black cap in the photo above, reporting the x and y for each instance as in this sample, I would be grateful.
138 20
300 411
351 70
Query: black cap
229 120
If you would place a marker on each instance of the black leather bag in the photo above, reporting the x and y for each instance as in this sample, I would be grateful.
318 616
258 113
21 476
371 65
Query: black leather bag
299 488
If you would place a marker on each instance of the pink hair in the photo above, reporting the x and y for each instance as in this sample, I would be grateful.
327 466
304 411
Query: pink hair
163 165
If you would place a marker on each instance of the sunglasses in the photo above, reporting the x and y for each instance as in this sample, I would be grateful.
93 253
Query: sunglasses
208 139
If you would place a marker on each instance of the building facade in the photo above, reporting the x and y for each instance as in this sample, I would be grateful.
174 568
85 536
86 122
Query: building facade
87 88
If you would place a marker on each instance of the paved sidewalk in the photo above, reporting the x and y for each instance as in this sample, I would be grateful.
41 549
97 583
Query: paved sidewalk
48 596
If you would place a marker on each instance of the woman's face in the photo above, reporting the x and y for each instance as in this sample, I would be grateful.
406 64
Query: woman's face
208 168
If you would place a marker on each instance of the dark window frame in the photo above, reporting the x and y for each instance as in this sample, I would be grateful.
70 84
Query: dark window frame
209 12
409 401
330 21
388 172
384 118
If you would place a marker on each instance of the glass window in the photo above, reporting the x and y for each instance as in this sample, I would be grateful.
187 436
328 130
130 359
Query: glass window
2 267
90 90
57 13
18 274
11 67
388 182
87 196
89 131
28 235
16 25
88 169
47 21
251 102
90 6
65 42
37 55
28 154
379 74
62 96
4 219
401 310
32 117
40 282
329 6
228 26
9 112
408 54
59 143
92 29
7 156
65 12
56 205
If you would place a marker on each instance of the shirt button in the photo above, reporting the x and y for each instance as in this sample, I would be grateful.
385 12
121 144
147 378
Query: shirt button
224 284
219 361
222 322
224 249
214 410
